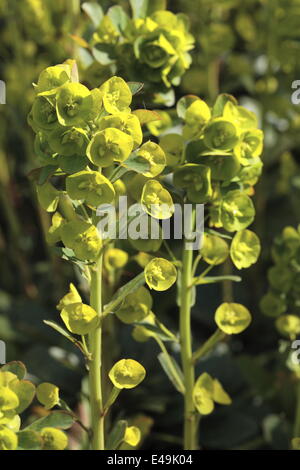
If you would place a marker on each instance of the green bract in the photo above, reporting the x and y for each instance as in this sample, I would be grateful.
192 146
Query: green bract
52 78
48 395
79 318
127 373
237 211
288 325
116 95
157 200
220 134
132 436
161 125
196 179
91 187
136 306
53 439
44 114
172 145
207 391
160 274
240 116
8 439
68 141
214 249
273 304
72 297
245 249
232 318
74 104
250 146
125 122
154 156
115 258
196 116
108 146
54 235
83 238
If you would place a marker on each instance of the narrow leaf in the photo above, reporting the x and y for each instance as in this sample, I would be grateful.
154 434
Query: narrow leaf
135 87
120 295
116 436
175 376
66 334
214 279
55 419
94 12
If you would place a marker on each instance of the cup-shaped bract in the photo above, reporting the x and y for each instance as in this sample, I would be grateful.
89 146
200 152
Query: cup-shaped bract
91 187
127 373
48 196
214 249
83 238
160 274
196 179
241 117
74 104
72 297
8 399
48 395
156 200
136 306
203 394
219 394
281 278
197 116
68 141
232 318
79 318
250 146
114 258
54 233
237 211
117 96
220 134
132 436
109 146
245 249
154 156
44 114
172 145
53 439
125 122
52 78
288 326
8 439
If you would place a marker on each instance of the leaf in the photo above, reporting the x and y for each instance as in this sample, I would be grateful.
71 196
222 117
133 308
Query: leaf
137 164
29 440
139 8
55 419
118 17
135 87
45 173
79 41
184 103
94 12
116 436
121 293
214 279
104 53
15 367
25 391
176 377
145 116
66 334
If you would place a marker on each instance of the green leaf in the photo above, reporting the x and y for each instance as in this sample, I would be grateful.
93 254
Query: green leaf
121 293
25 391
184 103
139 8
15 367
66 334
135 87
94 12
116 436
104 53
29 440
214 279
172 370
145 116
220 104
55 419
45 173
137 164
118 17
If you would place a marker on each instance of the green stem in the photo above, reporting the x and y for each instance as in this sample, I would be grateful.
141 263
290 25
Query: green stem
297 418
208 345
186 347
95 340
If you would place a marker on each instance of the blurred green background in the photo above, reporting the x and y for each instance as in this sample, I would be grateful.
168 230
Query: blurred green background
250 49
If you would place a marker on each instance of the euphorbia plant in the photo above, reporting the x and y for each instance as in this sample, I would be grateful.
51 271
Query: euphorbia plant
91 146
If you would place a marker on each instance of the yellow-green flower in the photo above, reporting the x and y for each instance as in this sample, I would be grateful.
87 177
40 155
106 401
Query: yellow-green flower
91 187
136 306
132 436
220 134
232 318
125 122
289 326
8 399
152 154
54 439
79 318
74 104
108 146
214 249
72 297
160 274
196 180
117 96
52 78
127 373
245 249
172 145
156 200
83 238
48 395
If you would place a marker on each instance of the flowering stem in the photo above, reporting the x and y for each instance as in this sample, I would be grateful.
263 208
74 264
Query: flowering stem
95 340
190 423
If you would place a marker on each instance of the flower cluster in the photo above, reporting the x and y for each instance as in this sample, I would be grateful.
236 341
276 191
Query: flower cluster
16 395
153 46
282 299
